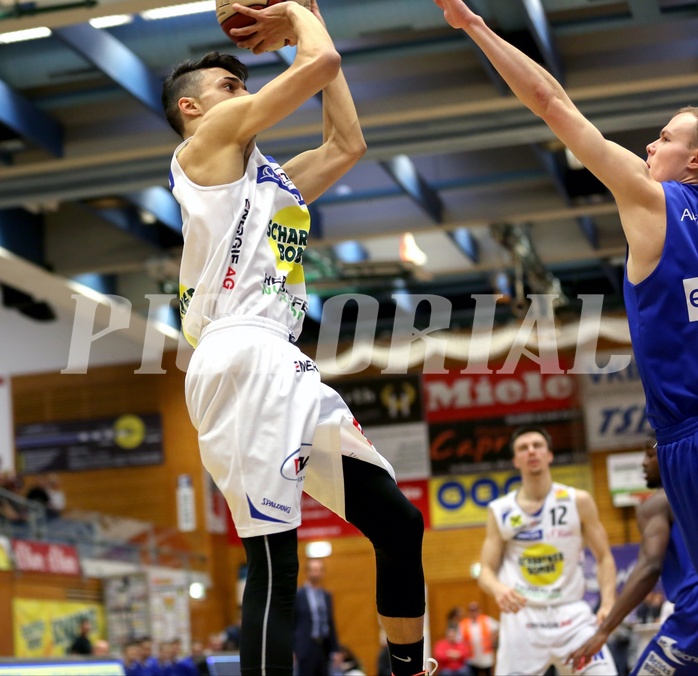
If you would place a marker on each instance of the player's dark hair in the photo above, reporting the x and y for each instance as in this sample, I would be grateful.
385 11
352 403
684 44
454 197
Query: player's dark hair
185 80
525 429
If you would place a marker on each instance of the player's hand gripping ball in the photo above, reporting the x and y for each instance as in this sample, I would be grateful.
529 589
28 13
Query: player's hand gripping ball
228 18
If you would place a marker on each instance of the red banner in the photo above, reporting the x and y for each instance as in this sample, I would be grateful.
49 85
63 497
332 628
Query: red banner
45 557
460 396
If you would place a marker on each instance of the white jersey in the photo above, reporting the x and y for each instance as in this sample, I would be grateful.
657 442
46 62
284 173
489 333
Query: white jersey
543 551
243 248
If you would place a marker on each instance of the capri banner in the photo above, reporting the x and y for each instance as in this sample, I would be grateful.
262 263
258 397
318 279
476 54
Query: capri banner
47 628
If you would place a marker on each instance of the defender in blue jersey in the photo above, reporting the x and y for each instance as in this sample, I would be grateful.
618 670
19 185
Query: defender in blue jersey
657 202
674 650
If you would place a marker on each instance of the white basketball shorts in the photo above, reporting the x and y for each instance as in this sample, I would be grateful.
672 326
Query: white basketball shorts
268 428
534 638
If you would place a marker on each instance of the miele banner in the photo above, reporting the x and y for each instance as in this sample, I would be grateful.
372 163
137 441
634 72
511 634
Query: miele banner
614 408
462 396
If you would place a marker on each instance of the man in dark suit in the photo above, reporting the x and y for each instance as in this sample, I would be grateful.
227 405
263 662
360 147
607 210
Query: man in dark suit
315 638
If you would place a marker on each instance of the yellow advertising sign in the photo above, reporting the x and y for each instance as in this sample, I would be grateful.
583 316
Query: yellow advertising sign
5 557
461 500
47 628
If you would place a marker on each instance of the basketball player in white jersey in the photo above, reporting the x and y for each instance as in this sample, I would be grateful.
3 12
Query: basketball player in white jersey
532 566
268 428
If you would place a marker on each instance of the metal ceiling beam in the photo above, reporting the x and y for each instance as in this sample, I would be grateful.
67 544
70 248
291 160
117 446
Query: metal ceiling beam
116 61
542 34
22 233
645 10
160 203
29 122
402 170
466 243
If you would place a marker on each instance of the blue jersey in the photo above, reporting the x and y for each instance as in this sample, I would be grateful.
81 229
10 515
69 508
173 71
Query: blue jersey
663 316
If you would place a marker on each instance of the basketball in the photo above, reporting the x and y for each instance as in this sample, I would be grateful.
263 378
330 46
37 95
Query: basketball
228 18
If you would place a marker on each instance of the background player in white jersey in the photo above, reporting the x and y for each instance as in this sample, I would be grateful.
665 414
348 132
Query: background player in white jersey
268 428
532 566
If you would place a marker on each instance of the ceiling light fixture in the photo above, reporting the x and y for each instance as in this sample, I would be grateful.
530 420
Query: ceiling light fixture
179 10
111 21
28 34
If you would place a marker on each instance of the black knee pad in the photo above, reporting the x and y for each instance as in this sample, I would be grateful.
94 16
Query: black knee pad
395 527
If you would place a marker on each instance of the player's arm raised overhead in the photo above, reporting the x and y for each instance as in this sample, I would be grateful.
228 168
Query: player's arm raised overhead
508 599
654 521
596 539
343 145
625 174
316 64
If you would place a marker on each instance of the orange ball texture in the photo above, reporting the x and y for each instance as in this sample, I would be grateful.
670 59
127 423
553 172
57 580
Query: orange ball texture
228 18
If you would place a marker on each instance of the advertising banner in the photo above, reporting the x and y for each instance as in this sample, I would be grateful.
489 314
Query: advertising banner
47 628
458 396
626 479
5 553
615 421
126 607
46 557
168 597
388 400
405 447
126 441
483 445
461 500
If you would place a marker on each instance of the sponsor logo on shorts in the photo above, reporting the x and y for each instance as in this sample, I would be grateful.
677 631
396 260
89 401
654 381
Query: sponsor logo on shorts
550 625
293 466
528 535
668 646
275 505
305 366
654 665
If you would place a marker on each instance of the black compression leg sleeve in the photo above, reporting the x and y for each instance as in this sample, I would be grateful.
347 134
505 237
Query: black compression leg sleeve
377 507
266 633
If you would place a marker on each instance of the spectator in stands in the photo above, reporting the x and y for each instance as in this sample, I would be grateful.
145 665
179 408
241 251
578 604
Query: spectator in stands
348 663
216 643
11 511
455 616
183 666
452 654
133 660
481 632
101 648
81 644
55 492
198 656
41 492
165 662
147 659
